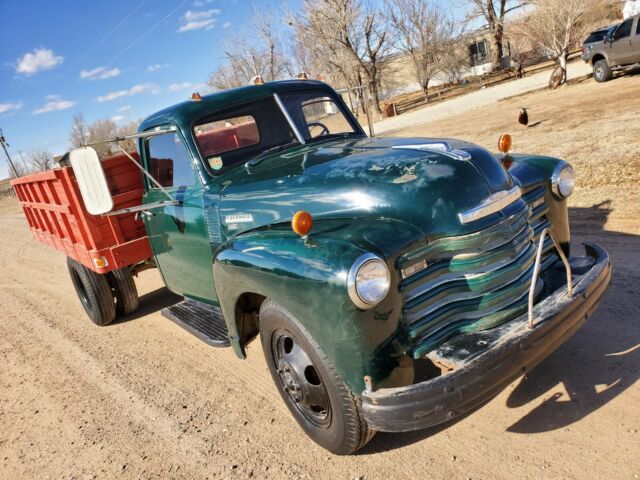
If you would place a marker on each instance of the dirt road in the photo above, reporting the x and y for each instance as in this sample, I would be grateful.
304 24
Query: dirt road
144 399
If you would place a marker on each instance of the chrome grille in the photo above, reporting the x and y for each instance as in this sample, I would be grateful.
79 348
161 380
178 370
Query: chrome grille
476 281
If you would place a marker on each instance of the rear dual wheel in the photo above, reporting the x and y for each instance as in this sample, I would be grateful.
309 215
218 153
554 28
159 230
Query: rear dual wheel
102 296
313 391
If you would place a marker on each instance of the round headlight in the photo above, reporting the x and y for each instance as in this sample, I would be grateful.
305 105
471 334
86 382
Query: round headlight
563 180
368 281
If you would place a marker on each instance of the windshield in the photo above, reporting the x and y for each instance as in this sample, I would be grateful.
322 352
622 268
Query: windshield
241 133
317 114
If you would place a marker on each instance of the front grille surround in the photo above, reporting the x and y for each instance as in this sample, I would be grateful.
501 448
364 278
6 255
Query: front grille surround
475 281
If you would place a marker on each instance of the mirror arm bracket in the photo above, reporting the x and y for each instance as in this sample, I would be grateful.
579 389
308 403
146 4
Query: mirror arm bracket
145 173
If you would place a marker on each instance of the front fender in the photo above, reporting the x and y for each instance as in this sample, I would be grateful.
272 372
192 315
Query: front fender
532 171
308 277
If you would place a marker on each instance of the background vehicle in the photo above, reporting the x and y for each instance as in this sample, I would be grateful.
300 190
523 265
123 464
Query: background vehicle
618 49
395 283
597 36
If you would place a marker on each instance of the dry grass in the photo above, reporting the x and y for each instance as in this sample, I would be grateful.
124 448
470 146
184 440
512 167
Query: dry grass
596 127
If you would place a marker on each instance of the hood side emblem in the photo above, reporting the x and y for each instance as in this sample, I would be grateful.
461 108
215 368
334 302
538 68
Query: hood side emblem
440 147
492 204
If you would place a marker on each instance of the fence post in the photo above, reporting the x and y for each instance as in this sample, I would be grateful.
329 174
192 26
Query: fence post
367 100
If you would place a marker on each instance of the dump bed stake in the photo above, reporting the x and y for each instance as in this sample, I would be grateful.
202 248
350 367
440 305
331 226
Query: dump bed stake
536 269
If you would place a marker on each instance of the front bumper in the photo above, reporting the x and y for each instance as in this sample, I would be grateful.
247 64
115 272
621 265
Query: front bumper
488 361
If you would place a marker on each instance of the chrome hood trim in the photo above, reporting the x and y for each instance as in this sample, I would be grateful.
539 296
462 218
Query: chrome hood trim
491 204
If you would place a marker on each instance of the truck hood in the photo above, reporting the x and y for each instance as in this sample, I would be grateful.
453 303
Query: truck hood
378 178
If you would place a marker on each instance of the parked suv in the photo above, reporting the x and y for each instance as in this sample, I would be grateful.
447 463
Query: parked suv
618 49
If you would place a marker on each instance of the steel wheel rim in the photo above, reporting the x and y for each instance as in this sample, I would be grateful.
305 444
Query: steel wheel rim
599 72
299 379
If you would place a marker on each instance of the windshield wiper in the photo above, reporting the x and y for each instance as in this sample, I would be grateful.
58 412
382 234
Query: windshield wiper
262 155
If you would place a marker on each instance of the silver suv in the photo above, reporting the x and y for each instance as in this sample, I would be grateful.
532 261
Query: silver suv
619 48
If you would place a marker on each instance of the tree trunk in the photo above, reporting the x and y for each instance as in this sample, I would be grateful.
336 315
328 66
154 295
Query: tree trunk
498 46
373 88
562 61
425 91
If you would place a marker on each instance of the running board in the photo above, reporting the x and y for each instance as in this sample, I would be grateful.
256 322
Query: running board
202 320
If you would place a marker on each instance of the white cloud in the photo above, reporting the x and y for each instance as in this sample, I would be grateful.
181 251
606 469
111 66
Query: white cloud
174 87
226 25
125 108
196 20
38 60
202 3
118 118
157 66
55 102
10 107
140 88
99 73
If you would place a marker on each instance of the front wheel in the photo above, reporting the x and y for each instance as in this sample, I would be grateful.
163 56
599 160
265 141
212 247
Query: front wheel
315 394
601 71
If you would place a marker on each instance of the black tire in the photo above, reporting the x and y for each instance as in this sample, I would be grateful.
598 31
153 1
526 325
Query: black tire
124 289
338 426
94 292
601 71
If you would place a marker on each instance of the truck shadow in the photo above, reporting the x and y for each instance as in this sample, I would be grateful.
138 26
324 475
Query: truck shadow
603 359
151 302
595 366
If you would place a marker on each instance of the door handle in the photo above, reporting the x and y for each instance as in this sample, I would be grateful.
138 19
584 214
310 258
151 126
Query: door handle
144 213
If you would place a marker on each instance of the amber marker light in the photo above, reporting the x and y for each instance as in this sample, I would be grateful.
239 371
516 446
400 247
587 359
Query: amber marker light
302 222
504 143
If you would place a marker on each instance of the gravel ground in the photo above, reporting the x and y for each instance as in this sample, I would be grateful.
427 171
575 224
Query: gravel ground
142 398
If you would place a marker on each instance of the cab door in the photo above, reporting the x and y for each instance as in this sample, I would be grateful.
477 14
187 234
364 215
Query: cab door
620 51
178 233
635 42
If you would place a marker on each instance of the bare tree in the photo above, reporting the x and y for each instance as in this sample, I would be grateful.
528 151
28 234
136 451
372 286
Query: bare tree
79 131
494 12
557 25
353 32
258 51
40 160
426 34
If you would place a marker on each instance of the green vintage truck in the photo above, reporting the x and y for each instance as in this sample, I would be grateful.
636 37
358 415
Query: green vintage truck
394 283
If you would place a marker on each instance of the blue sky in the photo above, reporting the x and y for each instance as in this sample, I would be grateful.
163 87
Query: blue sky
122 59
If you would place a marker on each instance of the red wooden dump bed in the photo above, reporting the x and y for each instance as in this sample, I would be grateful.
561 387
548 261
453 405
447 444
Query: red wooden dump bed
56 215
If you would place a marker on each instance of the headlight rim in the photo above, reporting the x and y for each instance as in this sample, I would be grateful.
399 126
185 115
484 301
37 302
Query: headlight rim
360 262
555 179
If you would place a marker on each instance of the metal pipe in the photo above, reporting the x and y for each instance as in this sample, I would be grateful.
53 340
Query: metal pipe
536 270
145 173
284 111
151 133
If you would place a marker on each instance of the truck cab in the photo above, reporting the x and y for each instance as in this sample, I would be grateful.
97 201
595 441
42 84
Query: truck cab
394 283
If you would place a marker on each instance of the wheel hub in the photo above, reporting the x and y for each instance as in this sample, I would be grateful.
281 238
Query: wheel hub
290 380
300 379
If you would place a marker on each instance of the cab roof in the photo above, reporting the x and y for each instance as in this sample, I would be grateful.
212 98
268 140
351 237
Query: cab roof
182 114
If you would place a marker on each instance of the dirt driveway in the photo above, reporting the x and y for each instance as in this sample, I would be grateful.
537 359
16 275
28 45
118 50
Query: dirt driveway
144 399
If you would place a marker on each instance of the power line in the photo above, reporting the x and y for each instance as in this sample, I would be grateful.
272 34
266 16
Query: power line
146 33
110 32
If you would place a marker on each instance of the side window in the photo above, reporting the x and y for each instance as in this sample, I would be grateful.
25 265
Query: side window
168 161
638 27
625 29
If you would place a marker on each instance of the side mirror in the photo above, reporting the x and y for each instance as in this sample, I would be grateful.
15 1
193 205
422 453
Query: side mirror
91 180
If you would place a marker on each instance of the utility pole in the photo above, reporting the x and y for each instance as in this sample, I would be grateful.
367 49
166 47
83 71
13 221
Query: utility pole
4 147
